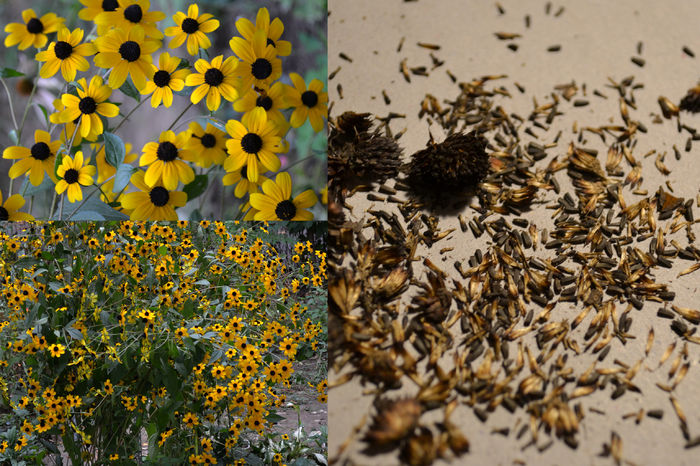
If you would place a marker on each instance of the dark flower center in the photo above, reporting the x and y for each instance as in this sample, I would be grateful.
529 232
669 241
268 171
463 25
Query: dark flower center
190 25
286 210
87 105
244 172
161 78
159 196
130 50
133 13
109 5
208 140
4 214
71 176
34 26
167 152
261 68
62 50
264 102
271 42
251 143
41 151
309 98
213 77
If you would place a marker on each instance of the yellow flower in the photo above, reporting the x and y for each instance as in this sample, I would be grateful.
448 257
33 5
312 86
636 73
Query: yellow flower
276 203
243 184
214 80
259 66
88 106
165 160
272 100
311 102
95 7
56 350
152 203
109 389
132 15
208 146
34 31
73 174
66 54
166 79
193 28
273 31
37 160
253 145
128 54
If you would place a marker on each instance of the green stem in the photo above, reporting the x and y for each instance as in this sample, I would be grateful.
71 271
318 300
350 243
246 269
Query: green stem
299 161
12 109
179 116
29 103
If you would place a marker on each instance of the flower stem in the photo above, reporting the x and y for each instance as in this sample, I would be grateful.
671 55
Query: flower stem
9 100
29 102
179 116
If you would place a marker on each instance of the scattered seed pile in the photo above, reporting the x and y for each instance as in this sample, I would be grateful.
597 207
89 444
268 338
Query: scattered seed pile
502 333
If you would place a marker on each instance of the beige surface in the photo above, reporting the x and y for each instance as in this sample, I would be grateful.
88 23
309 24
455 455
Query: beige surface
597 38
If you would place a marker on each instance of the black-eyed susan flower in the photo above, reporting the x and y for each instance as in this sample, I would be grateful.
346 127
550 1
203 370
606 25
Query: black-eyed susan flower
33 32
68 130
128 54
243 184
88 106
166 161
95 7
152 203
193 28
311 102
72 175
37 160
208 145
276 203
253 146
259 64
214 80
273 31
8 210
165 80
66 54
132 15
271 100
56 350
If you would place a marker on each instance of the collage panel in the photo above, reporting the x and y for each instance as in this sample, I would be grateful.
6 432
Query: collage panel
163 343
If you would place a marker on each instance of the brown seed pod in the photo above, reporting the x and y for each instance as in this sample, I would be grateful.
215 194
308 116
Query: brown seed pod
394 421
691 101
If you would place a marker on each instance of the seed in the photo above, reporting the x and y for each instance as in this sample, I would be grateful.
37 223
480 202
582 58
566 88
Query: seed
638 61
345 57
554 48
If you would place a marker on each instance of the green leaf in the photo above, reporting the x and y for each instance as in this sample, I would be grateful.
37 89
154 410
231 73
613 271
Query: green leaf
13 136
114 149
57 163
183 64
196 187
274 418
10 73
29 189
74 333
91 209
122 177
129 89
162 250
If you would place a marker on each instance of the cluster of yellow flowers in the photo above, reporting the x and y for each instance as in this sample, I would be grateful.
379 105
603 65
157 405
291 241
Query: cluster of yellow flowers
127 37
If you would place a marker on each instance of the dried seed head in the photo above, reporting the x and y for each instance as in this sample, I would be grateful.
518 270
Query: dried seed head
395 419
691 101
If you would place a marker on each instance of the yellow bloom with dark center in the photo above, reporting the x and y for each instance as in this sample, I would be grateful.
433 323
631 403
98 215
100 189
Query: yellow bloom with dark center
37 160
73 174
128 54
166 161
259 66
273 31
66 54
56 350
191 420
208 145
311 103
275 202
152 203
8 210
94 8
109 388
33 32
132 15
192 27
214 80
165 80
88 106
271 100
253 145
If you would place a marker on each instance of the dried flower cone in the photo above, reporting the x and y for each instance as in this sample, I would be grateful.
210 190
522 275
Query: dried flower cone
395 419
691 101
460 161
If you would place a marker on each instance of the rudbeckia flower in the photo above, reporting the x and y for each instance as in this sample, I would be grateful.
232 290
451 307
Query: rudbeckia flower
95 7
68 129
271 100
128 54
243 184
311 102
73 174
34 31
57 350
192 28
214 80
208 146
253 145
259 66
132 15
273 31
66 54
275 202
165 160
37 160
88 105
165 80
152 203
8 210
